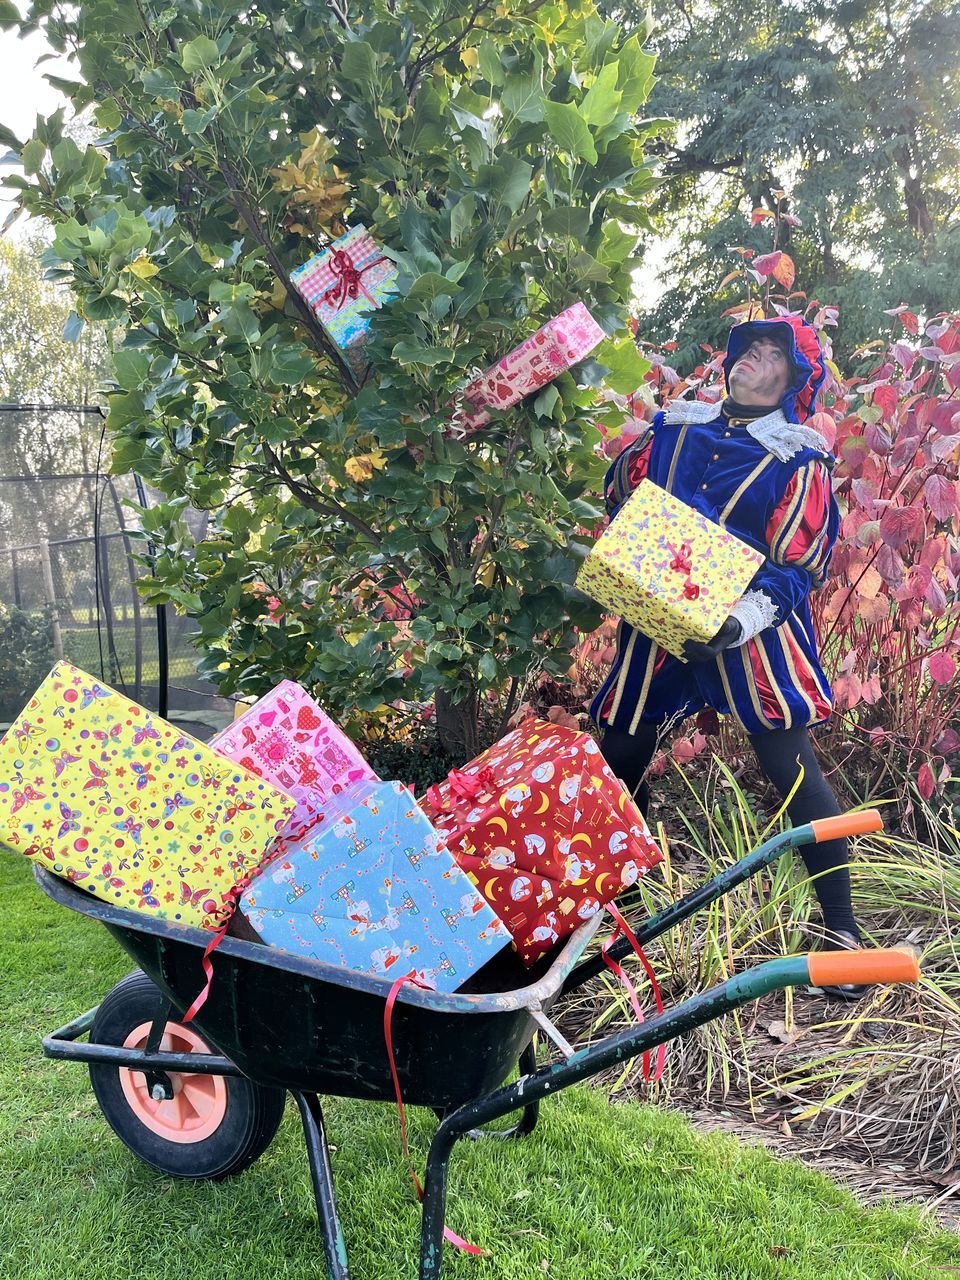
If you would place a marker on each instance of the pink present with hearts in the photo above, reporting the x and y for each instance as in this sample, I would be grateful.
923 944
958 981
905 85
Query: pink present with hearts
286 735
562 342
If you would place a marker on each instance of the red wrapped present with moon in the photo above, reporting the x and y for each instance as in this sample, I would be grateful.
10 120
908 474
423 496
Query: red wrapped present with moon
545 831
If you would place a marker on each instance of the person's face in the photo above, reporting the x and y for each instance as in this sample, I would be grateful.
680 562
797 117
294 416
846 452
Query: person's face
761 374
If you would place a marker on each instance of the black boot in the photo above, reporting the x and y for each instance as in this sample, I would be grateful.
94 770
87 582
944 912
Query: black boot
840 939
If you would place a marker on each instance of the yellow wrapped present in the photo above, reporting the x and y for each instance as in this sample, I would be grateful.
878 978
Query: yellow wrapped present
667 570
124 805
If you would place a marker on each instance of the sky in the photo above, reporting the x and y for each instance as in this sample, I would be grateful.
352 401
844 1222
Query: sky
24 94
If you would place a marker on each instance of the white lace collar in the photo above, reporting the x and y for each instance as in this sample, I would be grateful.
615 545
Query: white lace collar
774 431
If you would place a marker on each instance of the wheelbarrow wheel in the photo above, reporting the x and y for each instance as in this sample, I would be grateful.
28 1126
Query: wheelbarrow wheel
212 1127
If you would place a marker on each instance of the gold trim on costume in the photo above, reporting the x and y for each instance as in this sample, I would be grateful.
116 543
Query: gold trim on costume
774 686
676 454
644 688
794 674
622 678
761 466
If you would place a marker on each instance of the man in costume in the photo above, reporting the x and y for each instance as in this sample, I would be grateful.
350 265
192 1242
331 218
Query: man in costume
751 466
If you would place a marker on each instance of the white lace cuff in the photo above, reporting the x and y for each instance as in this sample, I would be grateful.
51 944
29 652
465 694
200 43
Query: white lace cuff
755 611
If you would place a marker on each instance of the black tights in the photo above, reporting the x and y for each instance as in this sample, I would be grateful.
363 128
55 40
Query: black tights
777 752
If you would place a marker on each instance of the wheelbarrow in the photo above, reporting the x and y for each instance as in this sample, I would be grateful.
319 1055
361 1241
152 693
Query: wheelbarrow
204 1099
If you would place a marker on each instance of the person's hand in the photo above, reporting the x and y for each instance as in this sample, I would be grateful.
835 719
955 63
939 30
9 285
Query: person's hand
700 651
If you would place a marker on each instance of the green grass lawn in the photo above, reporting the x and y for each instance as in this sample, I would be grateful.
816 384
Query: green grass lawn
597 1193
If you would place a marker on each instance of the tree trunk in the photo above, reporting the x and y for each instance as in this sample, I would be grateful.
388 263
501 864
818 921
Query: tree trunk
458 727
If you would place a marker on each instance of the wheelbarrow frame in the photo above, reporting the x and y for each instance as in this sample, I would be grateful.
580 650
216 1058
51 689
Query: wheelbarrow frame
520 1010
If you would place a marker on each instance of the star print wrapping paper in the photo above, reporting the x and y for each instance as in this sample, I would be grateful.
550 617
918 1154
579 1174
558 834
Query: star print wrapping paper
544 829
288 739
374 889
107 795
667 570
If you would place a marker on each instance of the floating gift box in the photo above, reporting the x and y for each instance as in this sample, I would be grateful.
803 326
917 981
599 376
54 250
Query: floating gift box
124 805
544 830
562 342
288 739
667 570
374 889
342 286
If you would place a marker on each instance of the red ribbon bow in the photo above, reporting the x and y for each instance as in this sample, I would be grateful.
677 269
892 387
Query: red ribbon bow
682 563
349 283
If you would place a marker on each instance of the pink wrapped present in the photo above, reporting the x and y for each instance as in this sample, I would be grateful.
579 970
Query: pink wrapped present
561 343
286 735
343 285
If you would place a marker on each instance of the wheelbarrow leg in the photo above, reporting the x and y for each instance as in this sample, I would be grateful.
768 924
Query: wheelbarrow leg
528 1120
457 1125
334 1247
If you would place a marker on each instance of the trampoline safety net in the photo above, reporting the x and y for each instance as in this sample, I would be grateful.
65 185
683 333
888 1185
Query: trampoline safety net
68 573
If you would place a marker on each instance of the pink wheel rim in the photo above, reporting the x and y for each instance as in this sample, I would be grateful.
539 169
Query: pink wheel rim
199 1102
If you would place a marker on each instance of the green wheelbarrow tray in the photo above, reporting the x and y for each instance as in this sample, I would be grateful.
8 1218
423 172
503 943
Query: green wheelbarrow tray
286 1022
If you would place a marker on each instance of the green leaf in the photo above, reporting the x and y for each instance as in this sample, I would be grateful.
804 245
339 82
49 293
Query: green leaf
199 54
197 121
431 285
487 666
291 365
522 98
413 353
546 401
566 221
31 157
73 327
359 63
569 131
602 102
159 83
626 365
463 217
636 75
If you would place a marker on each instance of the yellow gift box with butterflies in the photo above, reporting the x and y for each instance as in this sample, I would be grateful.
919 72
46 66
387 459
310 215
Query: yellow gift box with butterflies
100 791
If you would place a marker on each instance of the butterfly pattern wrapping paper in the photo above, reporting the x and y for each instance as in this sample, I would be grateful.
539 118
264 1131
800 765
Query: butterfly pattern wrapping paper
545 831
667 570
343 284
288 739
562 342
100 791
374 889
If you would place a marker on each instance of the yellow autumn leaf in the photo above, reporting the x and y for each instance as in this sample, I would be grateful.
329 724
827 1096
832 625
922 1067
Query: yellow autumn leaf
470 57
143 268
362 466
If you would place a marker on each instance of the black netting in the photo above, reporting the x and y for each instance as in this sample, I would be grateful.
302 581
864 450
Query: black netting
68 573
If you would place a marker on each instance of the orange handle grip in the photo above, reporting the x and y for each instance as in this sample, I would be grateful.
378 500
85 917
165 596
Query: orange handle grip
894 964
847 824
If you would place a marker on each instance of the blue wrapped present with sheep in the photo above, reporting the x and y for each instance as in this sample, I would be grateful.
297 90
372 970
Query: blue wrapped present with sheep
373 888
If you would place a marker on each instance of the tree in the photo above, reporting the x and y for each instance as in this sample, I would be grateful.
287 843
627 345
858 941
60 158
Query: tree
853 108
38 366
497 158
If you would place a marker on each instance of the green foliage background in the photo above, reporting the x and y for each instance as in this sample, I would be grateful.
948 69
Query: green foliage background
499 159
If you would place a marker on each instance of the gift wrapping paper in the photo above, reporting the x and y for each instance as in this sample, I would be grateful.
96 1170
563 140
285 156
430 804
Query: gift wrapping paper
545 831
374 889
289 739
667 570
562 342
109 796
343 284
